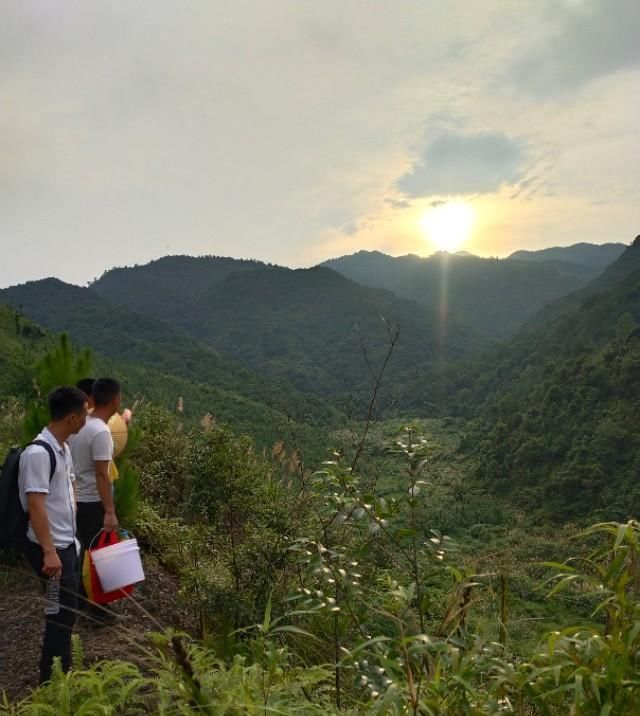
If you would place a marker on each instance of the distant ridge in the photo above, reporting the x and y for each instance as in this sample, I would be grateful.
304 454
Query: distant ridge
493 296
626 264
305 327
596 256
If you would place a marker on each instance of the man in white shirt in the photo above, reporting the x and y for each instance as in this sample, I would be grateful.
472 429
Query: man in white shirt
51 546
92 451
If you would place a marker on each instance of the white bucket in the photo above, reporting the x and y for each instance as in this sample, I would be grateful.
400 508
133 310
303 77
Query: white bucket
118 565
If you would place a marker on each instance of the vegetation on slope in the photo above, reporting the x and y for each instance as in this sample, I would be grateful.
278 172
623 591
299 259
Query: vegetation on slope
316 594
312 330
559 416
21 342
154 364
493 296
336 590
165 287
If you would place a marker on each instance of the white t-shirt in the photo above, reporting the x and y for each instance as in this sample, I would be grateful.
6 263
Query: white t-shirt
34 476
93 443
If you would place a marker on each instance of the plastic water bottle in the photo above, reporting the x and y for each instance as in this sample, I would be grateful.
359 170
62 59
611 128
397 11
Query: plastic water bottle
52 596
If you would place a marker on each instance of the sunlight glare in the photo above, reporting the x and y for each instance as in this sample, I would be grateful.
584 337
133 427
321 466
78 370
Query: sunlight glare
448 226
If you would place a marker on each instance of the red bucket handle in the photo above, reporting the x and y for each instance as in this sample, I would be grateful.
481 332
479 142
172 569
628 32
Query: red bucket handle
105 539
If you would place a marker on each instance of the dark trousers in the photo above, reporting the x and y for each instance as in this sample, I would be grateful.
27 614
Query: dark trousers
58 627
89 522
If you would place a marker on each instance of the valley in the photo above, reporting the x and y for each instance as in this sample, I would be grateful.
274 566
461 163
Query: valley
299 423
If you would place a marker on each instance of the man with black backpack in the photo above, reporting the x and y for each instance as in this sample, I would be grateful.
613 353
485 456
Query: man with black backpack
47 495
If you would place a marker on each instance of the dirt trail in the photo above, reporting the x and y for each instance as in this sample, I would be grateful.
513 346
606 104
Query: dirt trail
22 624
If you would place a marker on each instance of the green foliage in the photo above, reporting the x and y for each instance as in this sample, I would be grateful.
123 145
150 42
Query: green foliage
558 418
592 669
315 593
165 364
110 687
393 634
60 366
12 414
126 490
161 457
232 513
184 679
21 344
271 684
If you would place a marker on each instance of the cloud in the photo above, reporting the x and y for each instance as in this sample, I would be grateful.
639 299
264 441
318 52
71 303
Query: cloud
459 163
396 203
595 38
257 129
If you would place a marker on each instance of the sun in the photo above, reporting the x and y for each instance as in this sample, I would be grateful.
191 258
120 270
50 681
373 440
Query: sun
448 226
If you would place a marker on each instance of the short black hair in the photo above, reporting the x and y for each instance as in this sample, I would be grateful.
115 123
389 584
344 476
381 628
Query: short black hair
65 400
86 385
105 390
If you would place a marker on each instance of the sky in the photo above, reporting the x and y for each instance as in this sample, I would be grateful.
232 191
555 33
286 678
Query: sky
293 131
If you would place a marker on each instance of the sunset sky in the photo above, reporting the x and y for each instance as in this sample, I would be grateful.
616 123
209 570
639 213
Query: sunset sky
294 131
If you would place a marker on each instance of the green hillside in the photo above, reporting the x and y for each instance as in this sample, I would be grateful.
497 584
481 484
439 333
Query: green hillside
554 412
305 327
118 332
494 296
21 344
626 264
559 425
309 326
555 431
162 364
165 288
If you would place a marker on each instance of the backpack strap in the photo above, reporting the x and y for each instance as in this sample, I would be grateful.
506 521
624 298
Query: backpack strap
52 455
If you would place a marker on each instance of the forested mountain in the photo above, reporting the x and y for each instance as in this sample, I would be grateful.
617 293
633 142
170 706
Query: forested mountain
594 256
161 363
307 327
494 296
165 287
627 264
559 410
554 411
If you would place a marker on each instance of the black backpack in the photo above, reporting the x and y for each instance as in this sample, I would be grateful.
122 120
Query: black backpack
13 519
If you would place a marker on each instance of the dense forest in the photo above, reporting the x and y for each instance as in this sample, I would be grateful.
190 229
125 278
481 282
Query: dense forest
312 331
495 297
558 409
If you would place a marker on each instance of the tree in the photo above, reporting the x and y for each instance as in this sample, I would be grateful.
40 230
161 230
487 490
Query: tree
61 366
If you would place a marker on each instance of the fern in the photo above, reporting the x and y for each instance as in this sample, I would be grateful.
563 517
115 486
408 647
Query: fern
77 653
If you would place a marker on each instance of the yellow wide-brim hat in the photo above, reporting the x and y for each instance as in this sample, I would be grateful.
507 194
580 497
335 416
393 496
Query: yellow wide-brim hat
119 433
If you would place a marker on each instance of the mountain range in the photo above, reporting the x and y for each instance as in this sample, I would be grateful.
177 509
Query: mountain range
314 328
551 406
494 296
594 256
223 322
